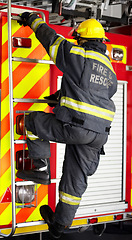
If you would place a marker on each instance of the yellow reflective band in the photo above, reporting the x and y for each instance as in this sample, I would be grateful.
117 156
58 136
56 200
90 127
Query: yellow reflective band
78 222
5 143
5 31
93 55
5 35
69 199
5 180
34 216
31 136
54 48
105 218
36 23
24 230
6 216
87 108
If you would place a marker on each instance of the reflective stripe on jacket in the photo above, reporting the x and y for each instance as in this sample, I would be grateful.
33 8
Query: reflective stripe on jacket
88 83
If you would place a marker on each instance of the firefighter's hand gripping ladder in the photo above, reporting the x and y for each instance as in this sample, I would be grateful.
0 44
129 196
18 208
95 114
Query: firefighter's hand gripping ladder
12 100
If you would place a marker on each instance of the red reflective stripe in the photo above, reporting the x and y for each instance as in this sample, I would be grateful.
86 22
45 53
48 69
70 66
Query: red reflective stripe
6 226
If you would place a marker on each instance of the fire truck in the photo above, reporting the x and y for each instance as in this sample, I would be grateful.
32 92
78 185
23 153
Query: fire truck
27 75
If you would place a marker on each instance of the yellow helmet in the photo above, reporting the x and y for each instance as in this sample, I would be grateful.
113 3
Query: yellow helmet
91 28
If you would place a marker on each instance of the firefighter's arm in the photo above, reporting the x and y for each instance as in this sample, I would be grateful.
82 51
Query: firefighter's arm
56 45
46 35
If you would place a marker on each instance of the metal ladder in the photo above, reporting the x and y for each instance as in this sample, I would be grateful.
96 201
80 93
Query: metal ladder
12 100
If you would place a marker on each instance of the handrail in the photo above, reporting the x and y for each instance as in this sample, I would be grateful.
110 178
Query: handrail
42 14
18 18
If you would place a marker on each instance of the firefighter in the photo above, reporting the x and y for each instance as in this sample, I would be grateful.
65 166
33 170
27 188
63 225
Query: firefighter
81 119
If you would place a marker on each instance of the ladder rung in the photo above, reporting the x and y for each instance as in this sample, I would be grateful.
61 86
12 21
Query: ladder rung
29 100
25 206
22 111
20 141
24 183
28 224
17 18
31 60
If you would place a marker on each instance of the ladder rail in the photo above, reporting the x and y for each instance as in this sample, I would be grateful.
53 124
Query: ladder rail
12 152
11 101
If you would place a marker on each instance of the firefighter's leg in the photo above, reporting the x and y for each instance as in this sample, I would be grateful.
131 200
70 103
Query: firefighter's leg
80 161
39 151
40 129
41 173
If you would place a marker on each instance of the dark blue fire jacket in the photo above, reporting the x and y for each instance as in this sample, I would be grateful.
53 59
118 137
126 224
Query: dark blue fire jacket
88 82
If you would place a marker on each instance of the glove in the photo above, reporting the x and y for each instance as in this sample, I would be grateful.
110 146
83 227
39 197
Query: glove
53 97
25 17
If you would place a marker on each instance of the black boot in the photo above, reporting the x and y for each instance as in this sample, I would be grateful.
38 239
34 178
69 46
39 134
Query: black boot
41 173
48 215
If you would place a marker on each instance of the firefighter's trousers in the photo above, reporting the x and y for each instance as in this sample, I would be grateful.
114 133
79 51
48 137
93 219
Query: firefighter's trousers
81 158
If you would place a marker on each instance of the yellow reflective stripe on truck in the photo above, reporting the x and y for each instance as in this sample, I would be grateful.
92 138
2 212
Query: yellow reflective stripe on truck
28 81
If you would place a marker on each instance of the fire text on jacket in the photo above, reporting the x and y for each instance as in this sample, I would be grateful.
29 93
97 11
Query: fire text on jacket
104 76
